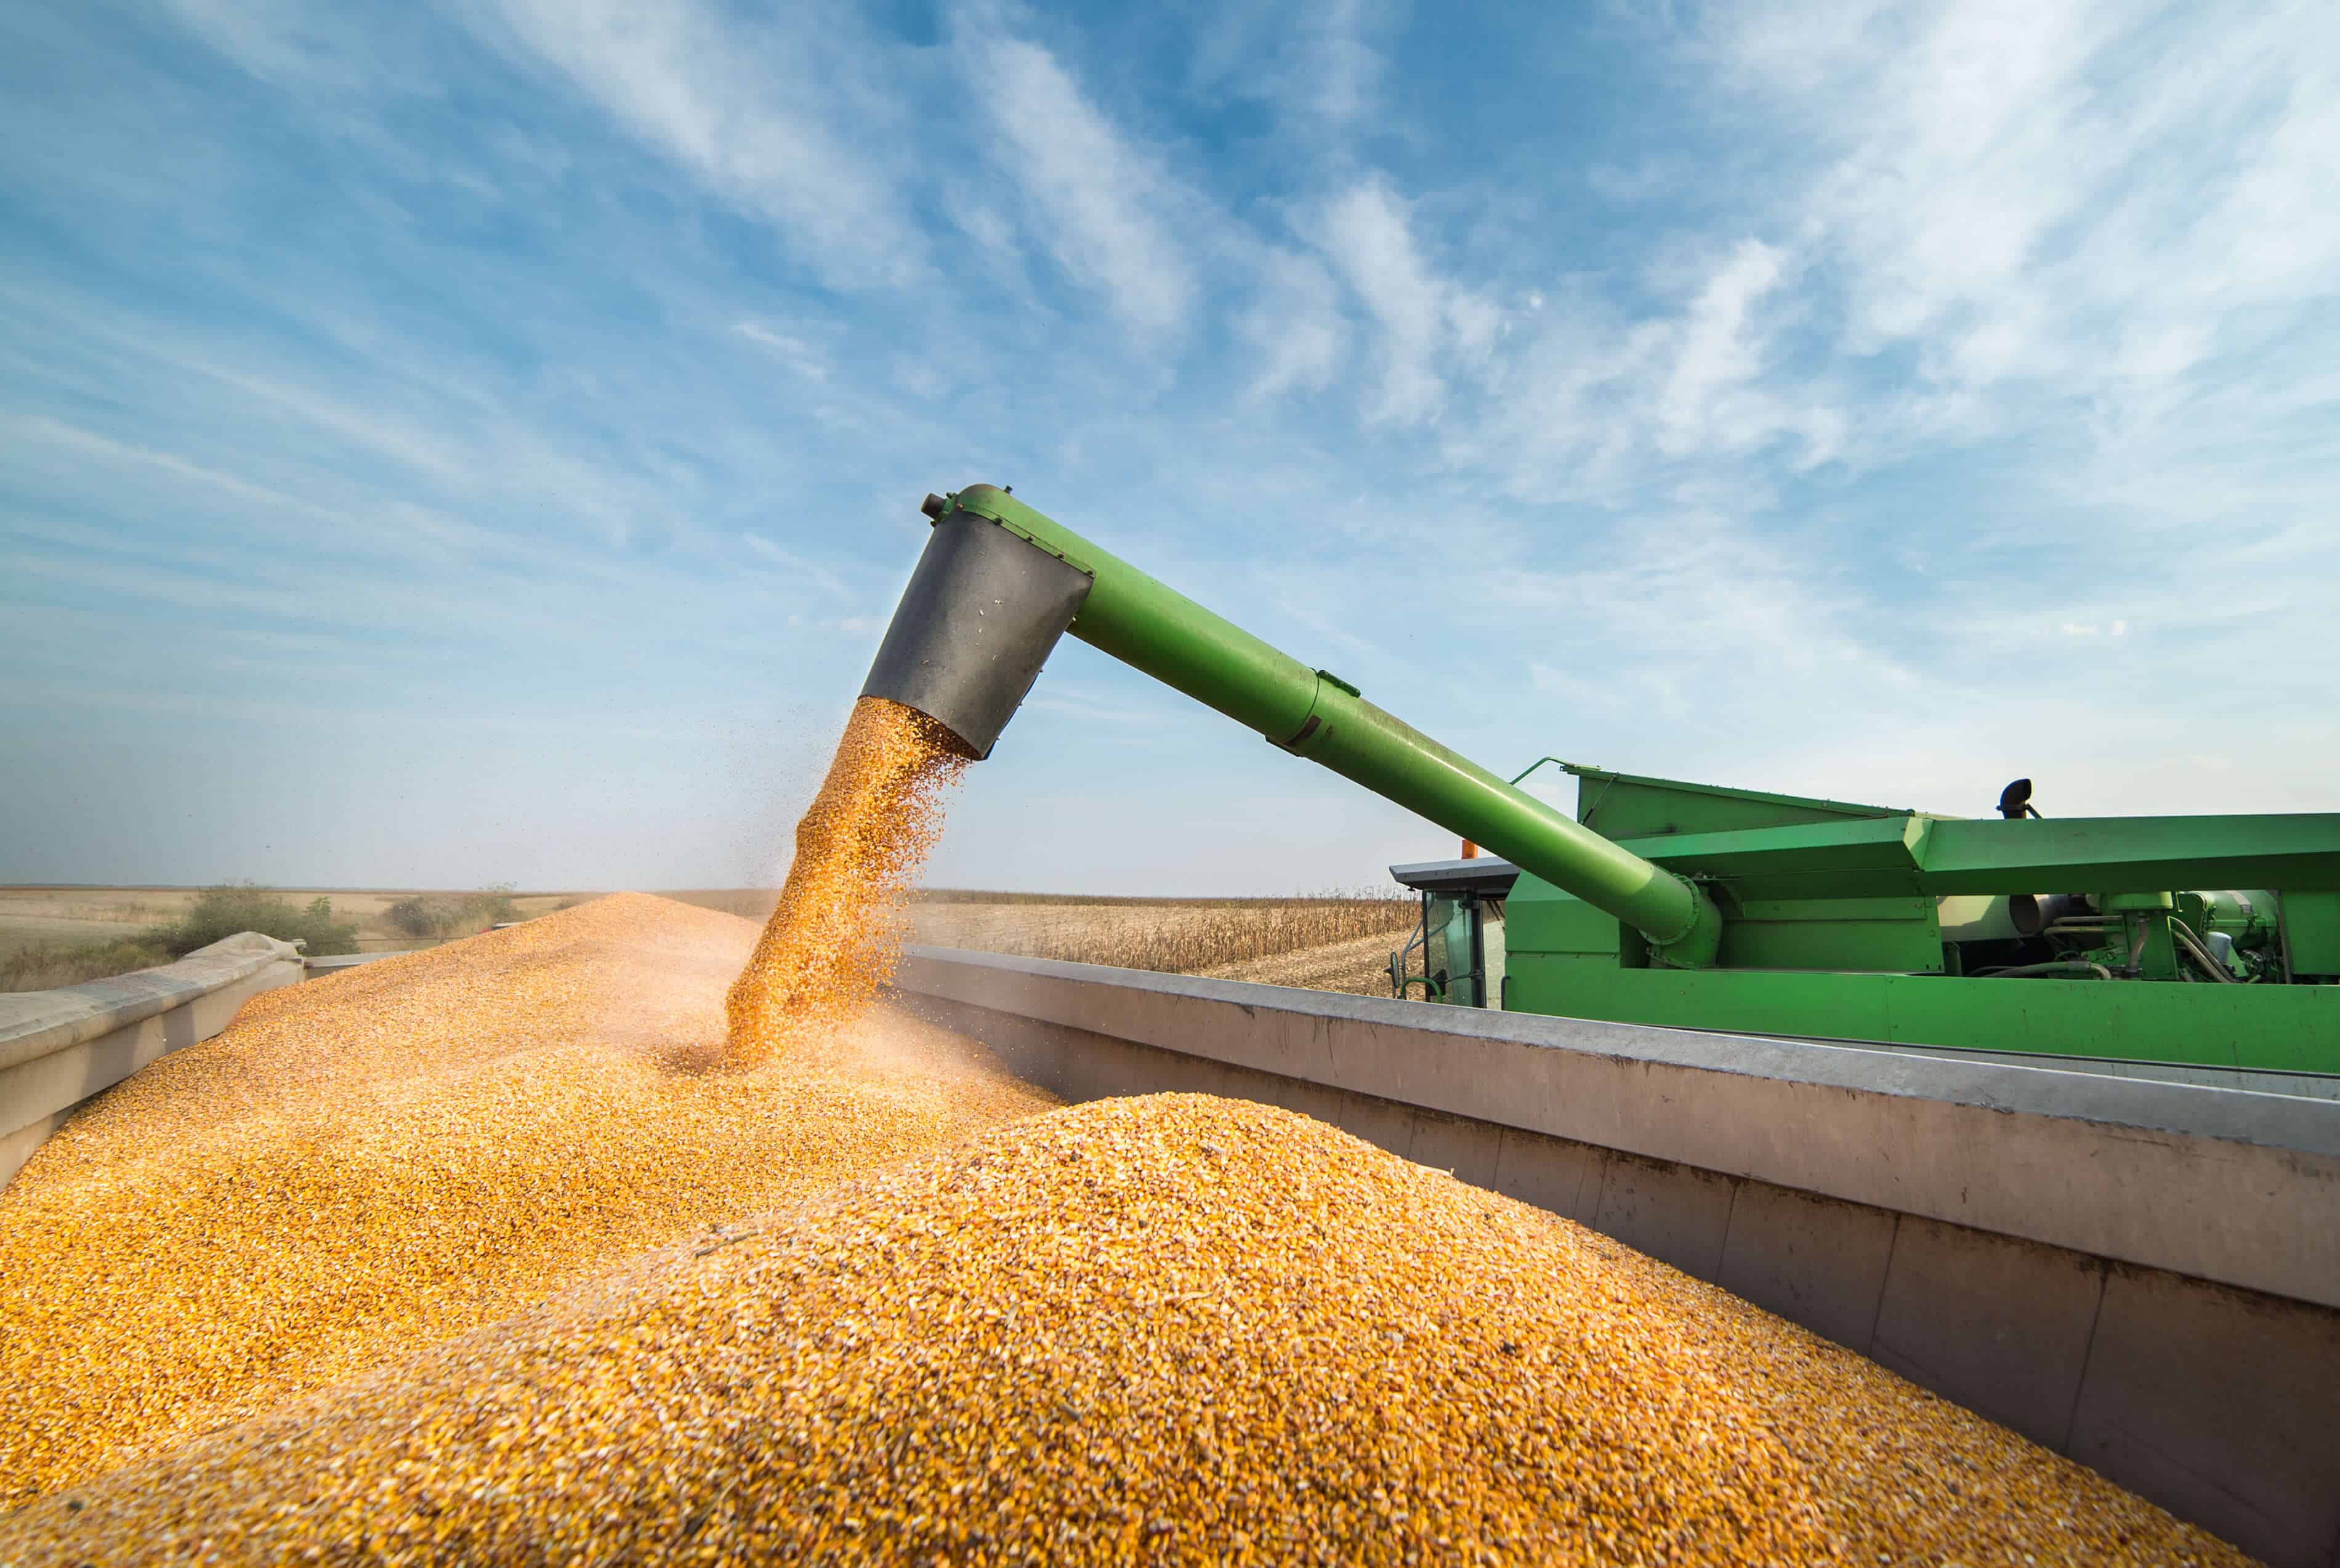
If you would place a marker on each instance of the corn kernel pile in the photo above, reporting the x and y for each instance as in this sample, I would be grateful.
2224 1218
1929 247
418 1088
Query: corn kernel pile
365 1164
1165 1329
833 939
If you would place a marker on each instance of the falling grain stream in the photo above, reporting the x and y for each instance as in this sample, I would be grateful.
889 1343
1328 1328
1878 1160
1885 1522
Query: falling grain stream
833 939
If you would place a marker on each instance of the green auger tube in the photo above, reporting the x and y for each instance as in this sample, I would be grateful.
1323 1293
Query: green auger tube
979 618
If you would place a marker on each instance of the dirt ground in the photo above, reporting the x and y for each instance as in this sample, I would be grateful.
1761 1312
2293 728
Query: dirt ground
1359 967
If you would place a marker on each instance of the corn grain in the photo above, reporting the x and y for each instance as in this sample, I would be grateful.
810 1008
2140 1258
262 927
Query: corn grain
1171 1329
834 937
366 1164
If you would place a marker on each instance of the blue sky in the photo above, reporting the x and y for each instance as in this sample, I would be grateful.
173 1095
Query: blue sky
452 444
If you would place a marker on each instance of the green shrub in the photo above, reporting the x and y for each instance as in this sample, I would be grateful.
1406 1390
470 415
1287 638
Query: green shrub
419 916
232 907
446 914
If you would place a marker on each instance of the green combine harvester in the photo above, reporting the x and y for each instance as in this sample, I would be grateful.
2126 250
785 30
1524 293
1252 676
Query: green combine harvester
2209 941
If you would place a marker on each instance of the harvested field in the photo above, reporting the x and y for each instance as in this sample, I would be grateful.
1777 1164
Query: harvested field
1166 1329
1205 936
367 1164
1323 938
1359 967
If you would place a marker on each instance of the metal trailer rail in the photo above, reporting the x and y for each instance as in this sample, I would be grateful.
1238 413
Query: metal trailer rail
57 1048
2142 1276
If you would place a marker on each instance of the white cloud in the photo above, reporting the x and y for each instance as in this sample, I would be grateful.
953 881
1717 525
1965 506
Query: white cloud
1321 67
1337 58
275 41
983 224
2086 199
784 121
2111 233
1427 322
1296 327
1721 624
1105 208
1588 400
791 350
369 428
1718 350
57 434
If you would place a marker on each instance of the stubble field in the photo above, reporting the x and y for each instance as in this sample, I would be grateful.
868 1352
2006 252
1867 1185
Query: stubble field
1325 942
1328 941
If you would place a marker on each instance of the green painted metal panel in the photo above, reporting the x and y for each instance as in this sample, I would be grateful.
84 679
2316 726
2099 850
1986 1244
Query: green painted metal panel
1904 907
1889 934
1924 854
2294 853
2276 1028
1542 919
2311 921
1874 857
1630 806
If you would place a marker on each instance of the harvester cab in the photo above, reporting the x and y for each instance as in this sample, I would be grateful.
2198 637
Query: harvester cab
1455 954
1694 905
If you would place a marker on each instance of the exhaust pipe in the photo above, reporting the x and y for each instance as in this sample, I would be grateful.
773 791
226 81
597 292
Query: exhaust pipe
978 621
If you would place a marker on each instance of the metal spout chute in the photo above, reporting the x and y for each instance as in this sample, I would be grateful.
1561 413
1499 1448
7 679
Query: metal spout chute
981 614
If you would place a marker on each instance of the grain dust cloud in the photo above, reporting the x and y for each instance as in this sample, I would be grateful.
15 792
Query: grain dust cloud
834 938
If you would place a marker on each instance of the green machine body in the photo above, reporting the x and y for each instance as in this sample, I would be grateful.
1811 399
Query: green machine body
2195 940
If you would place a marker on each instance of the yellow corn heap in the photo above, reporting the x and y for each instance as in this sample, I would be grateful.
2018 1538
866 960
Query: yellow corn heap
367 1164
833 939
1168 1329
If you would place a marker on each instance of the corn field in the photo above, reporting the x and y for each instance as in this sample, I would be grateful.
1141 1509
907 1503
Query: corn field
1164 936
